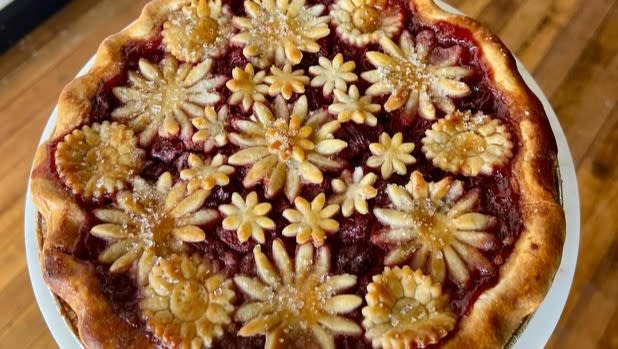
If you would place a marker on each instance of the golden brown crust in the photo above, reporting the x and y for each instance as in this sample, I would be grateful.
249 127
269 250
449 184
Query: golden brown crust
524 278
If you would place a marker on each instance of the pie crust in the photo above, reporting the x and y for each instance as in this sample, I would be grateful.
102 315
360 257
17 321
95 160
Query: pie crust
148 225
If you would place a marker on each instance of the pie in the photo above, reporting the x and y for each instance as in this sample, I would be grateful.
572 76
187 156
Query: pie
299 174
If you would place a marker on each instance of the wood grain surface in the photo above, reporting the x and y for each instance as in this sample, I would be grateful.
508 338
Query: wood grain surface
570 46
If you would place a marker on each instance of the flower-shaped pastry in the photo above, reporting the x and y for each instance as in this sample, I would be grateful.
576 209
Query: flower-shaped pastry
162 98
311 221
351 106
391 155
151 220
198 31
206 174
246 86
414 83
97 159
185 304
296 302
284 149
406 310
280 30
211 128
247 217
353 191
286 82
435 226
468 144
332 75
360 22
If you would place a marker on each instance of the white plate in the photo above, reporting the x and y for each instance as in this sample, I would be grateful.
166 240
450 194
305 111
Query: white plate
540 326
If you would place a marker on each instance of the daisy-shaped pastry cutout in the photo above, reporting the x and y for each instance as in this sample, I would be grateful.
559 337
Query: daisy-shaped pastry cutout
391 155
360 22
351 106
206 174
296 302
280 30
246 86
332 75
97 159
468 143
211 128
198 31
406 310
248 217
161 98
286 82
434 226
151 220
353 190
185 304
286 149
414 83
311 221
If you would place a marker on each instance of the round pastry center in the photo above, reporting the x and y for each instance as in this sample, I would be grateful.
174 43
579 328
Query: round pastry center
431 225
169 99
206 31
283 138
468 144
366 18
407 310
103 158
157 228
188 300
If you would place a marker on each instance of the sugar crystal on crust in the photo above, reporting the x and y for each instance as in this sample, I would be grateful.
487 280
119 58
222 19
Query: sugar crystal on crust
361 22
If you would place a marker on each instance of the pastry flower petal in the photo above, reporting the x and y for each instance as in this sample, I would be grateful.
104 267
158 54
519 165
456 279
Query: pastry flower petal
406 310
391 155
286 82
468 144
246 86
311 221
280 30
198 31
333 74
434 226
98 159
248 217
413 82
351 106
162 98
361 22
285 147
211 128
353 191
296 301
185 304
151 220
206 174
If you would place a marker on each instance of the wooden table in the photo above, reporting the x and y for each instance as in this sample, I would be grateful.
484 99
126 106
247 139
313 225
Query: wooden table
570 46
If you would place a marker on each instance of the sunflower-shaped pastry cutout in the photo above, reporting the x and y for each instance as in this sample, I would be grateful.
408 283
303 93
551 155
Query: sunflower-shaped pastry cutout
162 98
413 83
311 221
286 82
391 155
246 86
468 143
248 217
333 74
406 310
434 226
206 174
151 220
185 304
353 190
97 160
296 303
280 30
198 31
351 106
360 22
211 128
287 148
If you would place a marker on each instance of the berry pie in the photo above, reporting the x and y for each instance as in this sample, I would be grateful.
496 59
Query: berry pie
299 174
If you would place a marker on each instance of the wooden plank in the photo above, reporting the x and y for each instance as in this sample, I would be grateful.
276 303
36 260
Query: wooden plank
524 23
25 330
